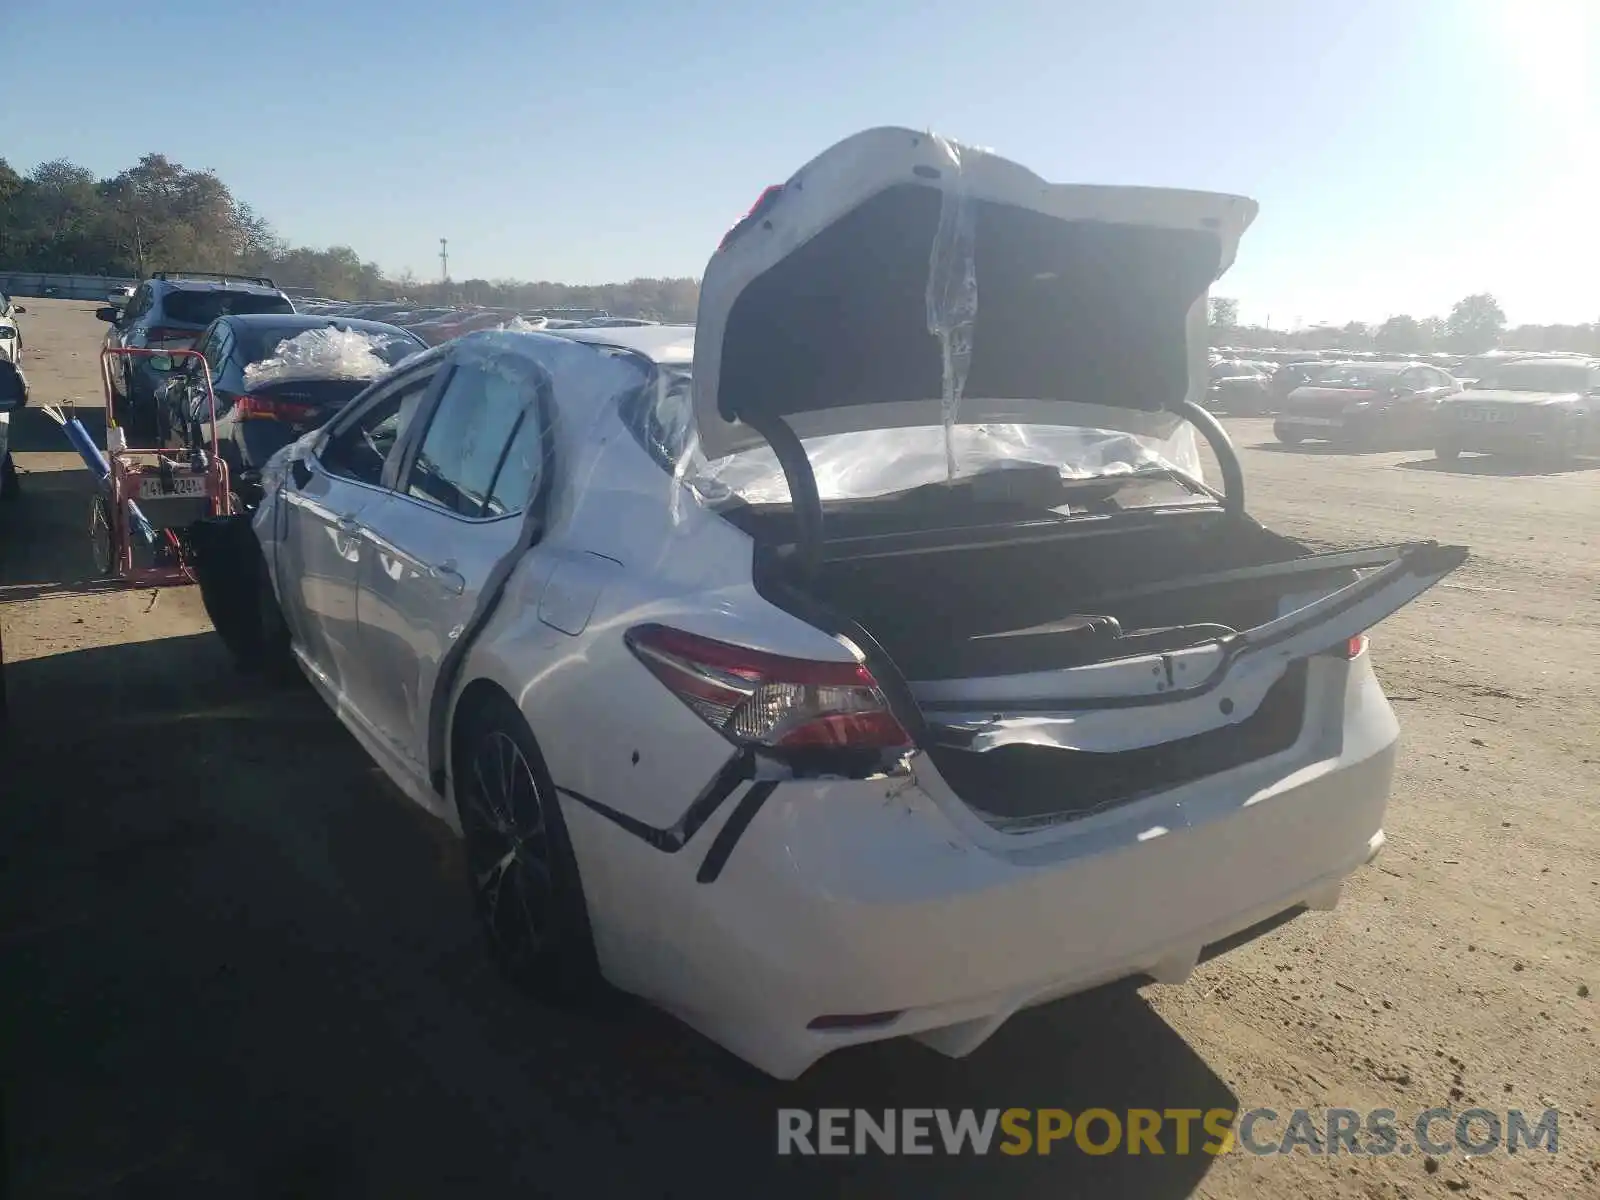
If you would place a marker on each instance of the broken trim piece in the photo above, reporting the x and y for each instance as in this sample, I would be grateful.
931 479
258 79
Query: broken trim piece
739 769
728 836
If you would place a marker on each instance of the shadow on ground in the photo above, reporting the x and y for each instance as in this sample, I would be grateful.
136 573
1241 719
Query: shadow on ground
34 433
1323 448
232 959
1497 464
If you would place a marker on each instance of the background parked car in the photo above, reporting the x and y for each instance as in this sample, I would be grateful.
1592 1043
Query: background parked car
1366 406
10 331
168 311
1544 407
13 398
1240 388
1292 375
255 419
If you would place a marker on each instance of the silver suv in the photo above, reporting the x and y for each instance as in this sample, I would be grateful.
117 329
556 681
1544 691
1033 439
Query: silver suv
169 311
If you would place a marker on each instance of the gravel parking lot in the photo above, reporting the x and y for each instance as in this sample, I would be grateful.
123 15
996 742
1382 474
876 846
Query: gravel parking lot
232 958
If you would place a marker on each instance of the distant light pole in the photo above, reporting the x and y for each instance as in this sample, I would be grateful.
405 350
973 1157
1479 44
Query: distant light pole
444 260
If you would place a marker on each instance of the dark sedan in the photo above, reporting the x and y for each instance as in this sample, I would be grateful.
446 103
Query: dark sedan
274 383
1547 408
1366 406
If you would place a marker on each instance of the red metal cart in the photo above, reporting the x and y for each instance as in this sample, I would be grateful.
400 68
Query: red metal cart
149 497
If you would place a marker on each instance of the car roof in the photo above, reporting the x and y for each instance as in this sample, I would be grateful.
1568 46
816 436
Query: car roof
313 321
664 345
216 285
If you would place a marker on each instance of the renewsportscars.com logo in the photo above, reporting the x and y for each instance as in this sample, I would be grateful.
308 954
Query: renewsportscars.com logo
1017 1131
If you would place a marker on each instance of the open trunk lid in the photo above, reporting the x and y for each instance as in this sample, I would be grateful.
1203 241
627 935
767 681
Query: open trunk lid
898 275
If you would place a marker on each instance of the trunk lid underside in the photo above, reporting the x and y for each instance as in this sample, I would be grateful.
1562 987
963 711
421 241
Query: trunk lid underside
821 308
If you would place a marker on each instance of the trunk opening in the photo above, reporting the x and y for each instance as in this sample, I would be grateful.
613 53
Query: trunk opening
1082 597
1130 587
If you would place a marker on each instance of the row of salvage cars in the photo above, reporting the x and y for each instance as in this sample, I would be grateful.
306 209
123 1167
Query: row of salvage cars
758 691
1535 406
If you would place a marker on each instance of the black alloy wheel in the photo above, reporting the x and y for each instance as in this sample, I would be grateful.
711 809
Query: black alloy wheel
523 875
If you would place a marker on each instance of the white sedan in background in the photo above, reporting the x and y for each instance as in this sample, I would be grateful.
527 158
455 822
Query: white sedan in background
759 692
10 331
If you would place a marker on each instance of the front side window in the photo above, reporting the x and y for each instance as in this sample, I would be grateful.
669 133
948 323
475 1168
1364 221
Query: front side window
360 450
482 454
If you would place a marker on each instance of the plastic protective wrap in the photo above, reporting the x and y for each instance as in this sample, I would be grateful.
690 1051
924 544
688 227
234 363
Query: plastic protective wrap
326 353
952 294
861 465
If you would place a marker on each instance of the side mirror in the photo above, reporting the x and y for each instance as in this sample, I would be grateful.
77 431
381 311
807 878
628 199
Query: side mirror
107 313
17 308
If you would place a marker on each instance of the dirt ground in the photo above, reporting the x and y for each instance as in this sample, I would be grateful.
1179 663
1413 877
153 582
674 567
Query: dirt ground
232 959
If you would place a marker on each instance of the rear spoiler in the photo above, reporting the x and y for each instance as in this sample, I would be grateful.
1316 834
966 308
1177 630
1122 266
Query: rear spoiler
220 276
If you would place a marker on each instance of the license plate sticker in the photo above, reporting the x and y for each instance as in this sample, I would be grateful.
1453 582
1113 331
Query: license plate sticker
182 485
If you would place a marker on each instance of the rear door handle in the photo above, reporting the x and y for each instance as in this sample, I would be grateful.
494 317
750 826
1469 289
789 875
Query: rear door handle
447 577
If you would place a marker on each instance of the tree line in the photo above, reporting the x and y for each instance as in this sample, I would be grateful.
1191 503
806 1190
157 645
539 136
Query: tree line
1476 323
160 215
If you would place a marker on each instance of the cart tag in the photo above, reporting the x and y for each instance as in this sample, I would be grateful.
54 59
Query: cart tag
116 439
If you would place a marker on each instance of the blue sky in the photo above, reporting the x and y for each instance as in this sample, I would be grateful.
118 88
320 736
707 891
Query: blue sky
1405 152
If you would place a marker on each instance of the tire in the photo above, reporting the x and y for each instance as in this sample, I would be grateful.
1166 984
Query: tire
1447 453
526 890
1286 437
237 592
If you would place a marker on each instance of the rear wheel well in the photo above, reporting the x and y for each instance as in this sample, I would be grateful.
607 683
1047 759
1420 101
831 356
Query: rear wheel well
478 697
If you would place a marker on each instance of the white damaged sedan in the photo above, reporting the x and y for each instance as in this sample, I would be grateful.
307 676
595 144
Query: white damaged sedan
869 660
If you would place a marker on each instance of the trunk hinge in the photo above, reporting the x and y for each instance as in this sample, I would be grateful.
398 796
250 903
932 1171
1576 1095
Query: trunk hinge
1227 457
803 495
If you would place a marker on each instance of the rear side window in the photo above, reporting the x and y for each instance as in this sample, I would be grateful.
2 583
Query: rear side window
201 308
360 450
482 454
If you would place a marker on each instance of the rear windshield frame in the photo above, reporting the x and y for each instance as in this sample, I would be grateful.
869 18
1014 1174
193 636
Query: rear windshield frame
180 304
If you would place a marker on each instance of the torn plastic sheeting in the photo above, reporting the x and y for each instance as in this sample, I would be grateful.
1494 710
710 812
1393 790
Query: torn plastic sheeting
861 465
952 294
327 353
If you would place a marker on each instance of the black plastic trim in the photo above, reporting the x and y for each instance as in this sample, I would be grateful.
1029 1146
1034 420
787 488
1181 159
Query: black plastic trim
728 836
737 770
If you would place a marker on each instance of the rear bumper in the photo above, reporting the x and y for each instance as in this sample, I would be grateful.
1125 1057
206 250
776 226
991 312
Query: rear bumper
1312 425
844 899
1476 438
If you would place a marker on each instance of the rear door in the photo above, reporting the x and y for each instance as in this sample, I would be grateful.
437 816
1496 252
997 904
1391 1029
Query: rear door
327 499
429 554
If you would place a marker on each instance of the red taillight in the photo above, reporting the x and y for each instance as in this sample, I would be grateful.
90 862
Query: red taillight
763 202
265 408
1356 646
759 699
